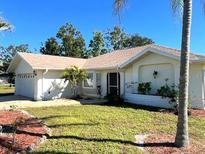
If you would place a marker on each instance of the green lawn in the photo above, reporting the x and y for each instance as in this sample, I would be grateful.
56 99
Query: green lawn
5 90
105 129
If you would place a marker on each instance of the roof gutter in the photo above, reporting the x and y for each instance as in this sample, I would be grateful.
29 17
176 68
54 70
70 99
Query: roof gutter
44 73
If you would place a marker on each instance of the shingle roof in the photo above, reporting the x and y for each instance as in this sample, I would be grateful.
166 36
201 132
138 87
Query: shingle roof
106 61
38 61
113 59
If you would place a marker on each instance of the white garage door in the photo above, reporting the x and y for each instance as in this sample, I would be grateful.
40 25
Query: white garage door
25 85
165 71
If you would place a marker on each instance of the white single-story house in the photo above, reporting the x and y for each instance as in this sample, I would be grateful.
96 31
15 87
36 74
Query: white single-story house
118 73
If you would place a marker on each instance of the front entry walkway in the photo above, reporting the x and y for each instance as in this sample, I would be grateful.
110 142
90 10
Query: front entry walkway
7 102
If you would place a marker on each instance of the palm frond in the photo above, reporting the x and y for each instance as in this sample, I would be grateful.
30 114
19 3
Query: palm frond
4 25
119 5
203 5
177 6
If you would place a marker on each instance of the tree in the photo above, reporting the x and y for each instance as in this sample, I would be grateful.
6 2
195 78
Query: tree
51 47
182 137
97 45
119 39
7 54
75 76
73 44
137 40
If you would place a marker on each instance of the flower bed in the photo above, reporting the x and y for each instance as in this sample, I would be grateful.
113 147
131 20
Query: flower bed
148 100
28 134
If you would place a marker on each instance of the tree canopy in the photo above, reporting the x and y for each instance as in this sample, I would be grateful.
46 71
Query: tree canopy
70 42
7 53
51 47
119 39
97 45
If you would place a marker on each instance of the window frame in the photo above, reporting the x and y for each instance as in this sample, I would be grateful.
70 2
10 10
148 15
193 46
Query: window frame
94 81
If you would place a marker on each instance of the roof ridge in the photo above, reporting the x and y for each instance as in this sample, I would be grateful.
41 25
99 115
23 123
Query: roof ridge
162 46
120 50
39 54
179 50
134 47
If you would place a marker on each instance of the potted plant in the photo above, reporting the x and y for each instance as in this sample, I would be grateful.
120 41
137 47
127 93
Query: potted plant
155 74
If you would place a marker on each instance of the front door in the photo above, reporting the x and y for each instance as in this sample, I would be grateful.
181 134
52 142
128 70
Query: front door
113 83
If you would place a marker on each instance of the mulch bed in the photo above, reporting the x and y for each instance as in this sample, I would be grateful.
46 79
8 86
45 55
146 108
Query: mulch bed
198 113
193 112
164 144
29 133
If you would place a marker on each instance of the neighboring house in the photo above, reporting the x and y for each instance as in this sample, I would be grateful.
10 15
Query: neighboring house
118 73
4 78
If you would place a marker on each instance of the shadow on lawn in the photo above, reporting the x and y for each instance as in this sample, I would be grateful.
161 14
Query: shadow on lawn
103 140
73 124
133 106
55 116
118 141
53 152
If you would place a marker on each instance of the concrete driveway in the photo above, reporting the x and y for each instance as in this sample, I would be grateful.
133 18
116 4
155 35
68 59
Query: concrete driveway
22 102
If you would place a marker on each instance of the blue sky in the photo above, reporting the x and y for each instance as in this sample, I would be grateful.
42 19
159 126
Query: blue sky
36 20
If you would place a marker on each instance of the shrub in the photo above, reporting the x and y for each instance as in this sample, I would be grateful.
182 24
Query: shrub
171 93
144 88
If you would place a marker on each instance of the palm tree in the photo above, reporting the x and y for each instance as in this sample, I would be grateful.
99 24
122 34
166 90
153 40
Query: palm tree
4 25
75 76
182 137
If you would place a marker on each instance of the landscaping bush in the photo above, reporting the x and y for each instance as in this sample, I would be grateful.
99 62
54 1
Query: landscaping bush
144 88
169 92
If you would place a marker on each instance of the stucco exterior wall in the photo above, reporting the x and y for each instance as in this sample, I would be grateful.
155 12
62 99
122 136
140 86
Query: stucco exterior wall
103 83
142 71
24 85
24 80
51 86
90 91
23 67
196 85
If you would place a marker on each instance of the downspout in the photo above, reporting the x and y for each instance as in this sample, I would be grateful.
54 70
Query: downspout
44 73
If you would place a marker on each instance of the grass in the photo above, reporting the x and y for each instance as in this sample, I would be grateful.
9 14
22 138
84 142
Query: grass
6 90
105 129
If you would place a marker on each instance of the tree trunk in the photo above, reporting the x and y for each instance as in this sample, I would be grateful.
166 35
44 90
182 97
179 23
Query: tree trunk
182 137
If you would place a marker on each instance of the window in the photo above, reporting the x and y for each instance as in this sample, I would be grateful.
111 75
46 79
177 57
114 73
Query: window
89 82
98 79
